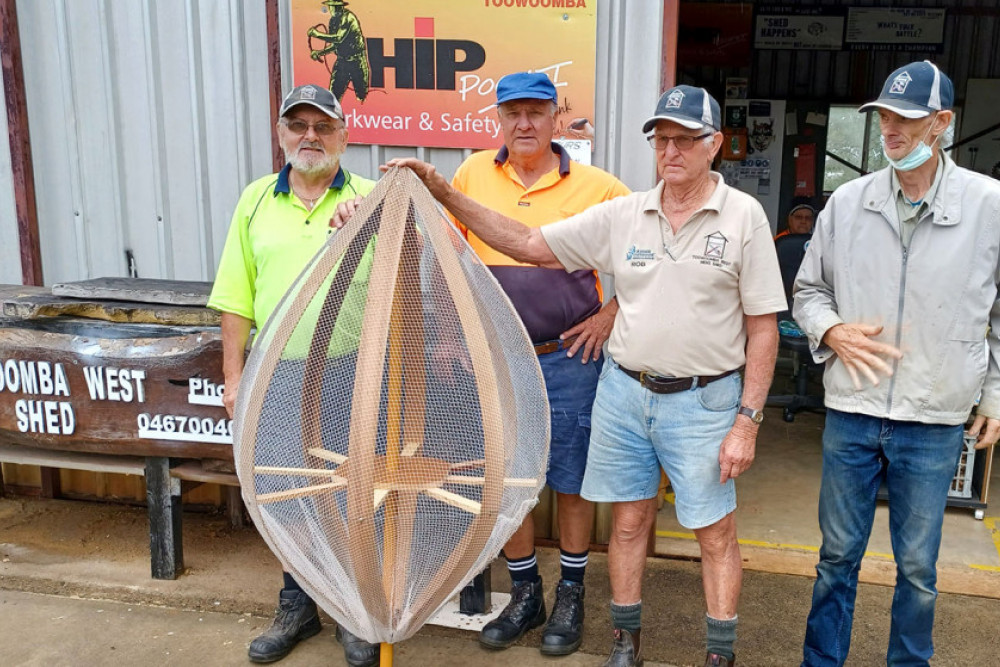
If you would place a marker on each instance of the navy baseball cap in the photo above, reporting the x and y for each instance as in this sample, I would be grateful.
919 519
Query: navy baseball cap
687 106
526 86
314 96
915 91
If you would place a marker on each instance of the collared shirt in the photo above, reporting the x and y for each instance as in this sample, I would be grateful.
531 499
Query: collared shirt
682 297
910 215
272 237
549 301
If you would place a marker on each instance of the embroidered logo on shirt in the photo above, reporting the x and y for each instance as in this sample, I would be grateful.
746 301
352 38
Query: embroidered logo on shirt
639 256
715 250
715 245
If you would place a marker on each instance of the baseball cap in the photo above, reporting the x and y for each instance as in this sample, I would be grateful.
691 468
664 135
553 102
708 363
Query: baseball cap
314 96
526 86
687 106
915 91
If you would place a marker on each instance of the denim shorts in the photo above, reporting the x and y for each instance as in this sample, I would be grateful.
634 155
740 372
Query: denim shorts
570 386
636 431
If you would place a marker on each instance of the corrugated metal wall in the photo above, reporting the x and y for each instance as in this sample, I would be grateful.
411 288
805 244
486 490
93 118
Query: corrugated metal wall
10 259
972 50
148 118
141 130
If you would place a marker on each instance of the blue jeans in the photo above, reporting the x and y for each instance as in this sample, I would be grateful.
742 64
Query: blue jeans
570 386
917 462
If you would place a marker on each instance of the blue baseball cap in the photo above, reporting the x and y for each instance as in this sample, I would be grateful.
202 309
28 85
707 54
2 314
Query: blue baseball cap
915 91
687 106
526 86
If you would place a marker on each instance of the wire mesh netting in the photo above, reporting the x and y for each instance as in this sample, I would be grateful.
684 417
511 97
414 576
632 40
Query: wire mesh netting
392 427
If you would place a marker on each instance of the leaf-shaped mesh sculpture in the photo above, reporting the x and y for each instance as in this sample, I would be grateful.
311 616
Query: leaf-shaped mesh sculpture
392 428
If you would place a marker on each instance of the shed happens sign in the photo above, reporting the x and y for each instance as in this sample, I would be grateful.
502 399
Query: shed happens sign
424 72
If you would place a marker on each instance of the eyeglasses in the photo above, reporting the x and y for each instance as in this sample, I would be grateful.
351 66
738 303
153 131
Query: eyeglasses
683 142
322 128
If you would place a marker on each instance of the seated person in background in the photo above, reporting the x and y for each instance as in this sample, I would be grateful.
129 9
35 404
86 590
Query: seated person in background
800 221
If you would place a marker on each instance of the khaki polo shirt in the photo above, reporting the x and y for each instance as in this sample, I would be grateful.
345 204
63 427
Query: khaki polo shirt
682 298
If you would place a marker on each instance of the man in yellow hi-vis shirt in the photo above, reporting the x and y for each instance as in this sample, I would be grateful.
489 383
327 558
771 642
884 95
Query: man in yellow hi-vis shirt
280 223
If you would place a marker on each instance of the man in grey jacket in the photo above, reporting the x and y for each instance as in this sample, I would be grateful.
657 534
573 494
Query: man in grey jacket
896 293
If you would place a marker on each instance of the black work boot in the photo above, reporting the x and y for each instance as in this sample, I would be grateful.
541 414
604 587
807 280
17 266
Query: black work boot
564 631
526 610
716 660
357 652
296 619
627 651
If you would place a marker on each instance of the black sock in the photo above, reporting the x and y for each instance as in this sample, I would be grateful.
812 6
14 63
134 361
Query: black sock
290 583
573 566
627 617
523 570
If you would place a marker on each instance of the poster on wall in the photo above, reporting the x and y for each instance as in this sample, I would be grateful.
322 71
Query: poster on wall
809 32
876 28
758 172
424 72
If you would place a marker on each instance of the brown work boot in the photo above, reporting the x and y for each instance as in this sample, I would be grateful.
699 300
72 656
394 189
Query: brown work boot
716 660
627 651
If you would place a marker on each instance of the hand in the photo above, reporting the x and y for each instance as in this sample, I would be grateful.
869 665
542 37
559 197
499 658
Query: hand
315 55
737 451
592 332
229 393
580 128
853 345
312 32
444 357
345 210
426 172
986 437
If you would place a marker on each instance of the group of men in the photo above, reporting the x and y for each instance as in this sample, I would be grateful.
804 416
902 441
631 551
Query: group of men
896 294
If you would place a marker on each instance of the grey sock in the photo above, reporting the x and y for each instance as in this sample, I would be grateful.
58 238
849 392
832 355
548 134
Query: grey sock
721 635
627 617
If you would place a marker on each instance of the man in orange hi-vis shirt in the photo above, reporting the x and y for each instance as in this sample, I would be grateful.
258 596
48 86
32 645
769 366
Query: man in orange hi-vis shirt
533 180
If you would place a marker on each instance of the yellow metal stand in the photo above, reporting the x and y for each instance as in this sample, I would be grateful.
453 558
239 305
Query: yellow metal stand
385 655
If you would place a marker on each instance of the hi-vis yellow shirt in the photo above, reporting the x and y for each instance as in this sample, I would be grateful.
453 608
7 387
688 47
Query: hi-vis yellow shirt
549 301
272 238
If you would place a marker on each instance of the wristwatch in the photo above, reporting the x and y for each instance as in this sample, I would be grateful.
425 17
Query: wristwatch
756 416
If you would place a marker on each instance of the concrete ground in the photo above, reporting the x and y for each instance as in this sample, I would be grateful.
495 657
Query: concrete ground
75 590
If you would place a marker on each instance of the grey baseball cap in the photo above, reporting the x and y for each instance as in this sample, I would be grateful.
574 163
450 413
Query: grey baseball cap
314 96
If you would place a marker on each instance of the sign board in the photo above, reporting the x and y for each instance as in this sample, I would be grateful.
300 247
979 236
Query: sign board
799 31
424 72
895 29
144 396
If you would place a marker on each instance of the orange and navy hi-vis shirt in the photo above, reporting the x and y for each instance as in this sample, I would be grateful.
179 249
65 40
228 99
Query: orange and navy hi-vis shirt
549 301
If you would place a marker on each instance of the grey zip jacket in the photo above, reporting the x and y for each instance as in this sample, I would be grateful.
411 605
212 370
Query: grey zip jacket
936 300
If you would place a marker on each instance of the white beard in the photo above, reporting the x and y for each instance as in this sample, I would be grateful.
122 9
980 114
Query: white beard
311 165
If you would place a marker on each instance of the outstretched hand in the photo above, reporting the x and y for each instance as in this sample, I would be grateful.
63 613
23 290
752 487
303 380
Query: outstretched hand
854 346
429 176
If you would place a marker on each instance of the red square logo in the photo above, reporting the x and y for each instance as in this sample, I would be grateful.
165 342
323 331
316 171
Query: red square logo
423 27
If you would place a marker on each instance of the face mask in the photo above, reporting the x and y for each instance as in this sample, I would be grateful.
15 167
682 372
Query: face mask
920 154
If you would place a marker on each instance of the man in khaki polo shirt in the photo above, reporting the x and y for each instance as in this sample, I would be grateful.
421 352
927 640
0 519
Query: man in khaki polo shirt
698 287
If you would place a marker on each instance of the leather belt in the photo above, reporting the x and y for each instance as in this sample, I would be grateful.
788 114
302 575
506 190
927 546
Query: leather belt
668 385
550 346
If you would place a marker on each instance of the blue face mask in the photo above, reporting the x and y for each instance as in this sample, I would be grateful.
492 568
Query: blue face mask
920 154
